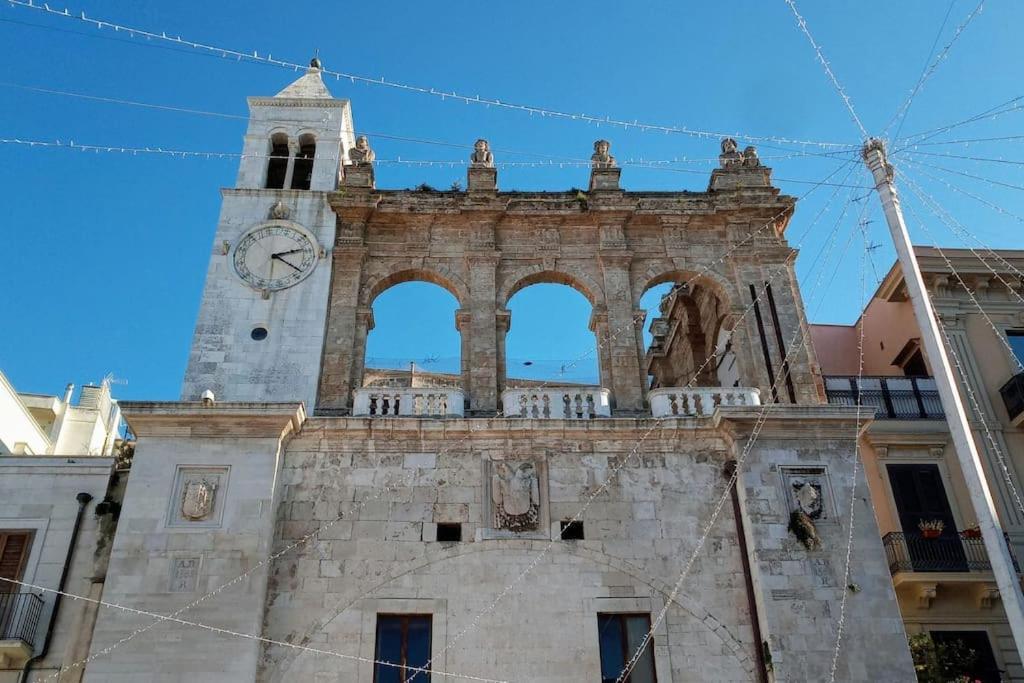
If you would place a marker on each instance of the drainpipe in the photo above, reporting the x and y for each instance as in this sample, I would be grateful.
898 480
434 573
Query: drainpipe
83 500
748 579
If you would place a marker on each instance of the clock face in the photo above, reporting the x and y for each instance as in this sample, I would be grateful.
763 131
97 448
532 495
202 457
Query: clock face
275 256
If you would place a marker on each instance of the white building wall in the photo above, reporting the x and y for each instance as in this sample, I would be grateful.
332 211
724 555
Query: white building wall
39 494
19 432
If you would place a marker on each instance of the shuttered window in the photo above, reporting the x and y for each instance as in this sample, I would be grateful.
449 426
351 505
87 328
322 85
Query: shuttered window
14 546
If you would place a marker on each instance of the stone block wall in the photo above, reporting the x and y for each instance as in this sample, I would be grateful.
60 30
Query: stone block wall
172 548
393 481
224 357
800 589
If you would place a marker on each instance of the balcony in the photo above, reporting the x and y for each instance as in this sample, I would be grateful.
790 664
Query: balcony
557 403
1013 398
408 402
19 617
961 552
893 398
699 401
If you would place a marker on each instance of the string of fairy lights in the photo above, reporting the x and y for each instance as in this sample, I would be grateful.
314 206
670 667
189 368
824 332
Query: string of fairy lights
910 153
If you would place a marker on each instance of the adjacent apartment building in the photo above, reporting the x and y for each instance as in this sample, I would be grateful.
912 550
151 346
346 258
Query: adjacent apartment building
938 562
58 488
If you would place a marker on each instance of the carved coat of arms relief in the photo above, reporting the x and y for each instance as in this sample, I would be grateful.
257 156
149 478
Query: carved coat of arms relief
197 498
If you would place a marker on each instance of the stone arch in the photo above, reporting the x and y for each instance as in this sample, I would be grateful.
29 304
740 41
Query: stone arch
538 274
660 273
435 555
441 276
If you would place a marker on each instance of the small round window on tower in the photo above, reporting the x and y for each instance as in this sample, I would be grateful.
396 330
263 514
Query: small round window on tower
259 333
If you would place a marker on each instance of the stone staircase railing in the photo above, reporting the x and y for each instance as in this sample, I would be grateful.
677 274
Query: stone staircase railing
699 401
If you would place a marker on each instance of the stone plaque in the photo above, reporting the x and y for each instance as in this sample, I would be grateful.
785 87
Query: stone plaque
197 498
807 489
184 574
515 498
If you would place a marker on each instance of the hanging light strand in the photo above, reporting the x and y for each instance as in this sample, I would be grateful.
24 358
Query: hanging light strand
267 58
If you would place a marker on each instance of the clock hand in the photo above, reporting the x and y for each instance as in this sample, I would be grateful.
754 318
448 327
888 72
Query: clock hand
278 257
285 253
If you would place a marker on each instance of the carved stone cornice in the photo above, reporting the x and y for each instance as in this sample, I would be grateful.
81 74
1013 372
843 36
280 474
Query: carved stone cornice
188 419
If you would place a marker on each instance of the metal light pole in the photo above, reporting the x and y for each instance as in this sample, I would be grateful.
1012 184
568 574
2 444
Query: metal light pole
956 417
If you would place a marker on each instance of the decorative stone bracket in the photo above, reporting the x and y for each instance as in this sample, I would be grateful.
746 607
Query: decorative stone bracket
926 594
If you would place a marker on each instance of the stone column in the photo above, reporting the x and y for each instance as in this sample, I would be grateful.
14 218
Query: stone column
341 350
483 347
293 150
462 324
502 323
627 378
640 316
364 325
599 326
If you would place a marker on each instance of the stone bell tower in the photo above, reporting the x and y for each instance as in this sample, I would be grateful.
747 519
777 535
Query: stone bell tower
260 329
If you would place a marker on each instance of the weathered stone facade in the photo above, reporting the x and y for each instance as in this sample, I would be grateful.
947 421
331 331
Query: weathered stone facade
307 529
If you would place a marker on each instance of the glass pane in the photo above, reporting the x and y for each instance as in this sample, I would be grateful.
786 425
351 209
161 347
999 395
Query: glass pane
637 627
609 637
1016 339
418 648
389 649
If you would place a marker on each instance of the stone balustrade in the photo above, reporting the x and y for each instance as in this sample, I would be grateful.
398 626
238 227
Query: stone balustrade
408 402
699 401
557 403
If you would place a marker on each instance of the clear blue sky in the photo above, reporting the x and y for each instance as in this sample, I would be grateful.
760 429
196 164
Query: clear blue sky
104 255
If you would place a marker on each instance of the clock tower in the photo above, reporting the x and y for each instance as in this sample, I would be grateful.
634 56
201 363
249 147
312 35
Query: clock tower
260 331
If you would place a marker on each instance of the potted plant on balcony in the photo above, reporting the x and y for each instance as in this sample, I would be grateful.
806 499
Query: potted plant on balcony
971 532
931 528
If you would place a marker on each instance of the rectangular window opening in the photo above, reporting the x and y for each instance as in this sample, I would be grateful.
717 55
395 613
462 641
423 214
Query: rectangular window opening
14 548
1016 339
619 636
449 532
572 530
403 646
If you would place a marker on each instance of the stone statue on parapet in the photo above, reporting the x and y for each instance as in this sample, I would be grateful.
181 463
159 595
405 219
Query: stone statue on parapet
361 154
601 158
481 156
750 159
730 156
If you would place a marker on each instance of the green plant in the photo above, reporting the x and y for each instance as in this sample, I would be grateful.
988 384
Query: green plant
946 662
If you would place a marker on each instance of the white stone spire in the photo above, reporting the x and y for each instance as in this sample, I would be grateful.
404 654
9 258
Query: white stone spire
308 86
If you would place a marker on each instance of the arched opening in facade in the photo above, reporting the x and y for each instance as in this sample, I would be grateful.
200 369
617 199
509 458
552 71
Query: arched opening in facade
413 352
302 171
277 163
550 364
686 340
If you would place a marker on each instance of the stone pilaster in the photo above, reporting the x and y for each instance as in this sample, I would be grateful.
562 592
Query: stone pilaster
483 336
626 374
345 336
502 323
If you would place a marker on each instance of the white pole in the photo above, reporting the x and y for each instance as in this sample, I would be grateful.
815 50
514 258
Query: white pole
956 417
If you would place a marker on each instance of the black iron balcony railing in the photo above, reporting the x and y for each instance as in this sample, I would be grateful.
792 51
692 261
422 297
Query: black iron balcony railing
19 616
957 552
1013 396
895 398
